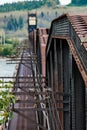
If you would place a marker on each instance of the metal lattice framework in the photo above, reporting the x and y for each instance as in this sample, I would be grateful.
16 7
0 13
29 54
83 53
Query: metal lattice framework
57 101
31 91
66 58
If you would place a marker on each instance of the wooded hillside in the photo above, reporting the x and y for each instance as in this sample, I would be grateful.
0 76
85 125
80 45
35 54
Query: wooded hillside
26 5
29 5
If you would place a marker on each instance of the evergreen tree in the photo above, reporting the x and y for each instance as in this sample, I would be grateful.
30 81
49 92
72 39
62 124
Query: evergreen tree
42 14
15 24
20 22
79 2
12 24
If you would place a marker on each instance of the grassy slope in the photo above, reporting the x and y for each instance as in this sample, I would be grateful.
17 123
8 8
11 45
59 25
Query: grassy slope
59 10
49 15
66 9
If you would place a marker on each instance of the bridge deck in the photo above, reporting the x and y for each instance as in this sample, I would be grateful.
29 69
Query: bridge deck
23 120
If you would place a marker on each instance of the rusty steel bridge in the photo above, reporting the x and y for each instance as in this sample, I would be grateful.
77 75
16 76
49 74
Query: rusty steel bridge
51 79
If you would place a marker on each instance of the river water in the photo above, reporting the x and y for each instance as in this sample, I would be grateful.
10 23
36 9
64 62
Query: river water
6 70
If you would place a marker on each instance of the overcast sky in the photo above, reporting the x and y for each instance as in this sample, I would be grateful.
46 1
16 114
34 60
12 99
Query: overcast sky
8 1
63 2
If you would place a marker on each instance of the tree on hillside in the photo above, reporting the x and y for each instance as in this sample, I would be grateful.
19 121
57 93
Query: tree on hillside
12 24
52 2
20 22
42 14
57 2
22 5
79 2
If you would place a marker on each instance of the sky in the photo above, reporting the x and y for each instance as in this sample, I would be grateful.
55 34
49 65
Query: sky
65 2
8 1
62 2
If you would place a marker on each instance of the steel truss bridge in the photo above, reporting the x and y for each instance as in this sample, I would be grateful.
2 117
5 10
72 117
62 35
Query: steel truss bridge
57 100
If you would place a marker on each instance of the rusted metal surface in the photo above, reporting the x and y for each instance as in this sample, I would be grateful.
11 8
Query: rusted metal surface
28 88
21 121
66 69
38 40
73 28
51 102
41 41
79 23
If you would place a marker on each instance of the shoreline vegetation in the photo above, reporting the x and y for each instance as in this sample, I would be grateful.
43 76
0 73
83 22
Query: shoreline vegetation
9 48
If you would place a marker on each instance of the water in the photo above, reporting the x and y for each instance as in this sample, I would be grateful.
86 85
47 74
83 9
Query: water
6 70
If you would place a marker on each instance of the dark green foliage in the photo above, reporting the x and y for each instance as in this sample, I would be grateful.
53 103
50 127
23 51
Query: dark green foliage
5 50
20 22
26 5
6 101
57 2
79 2
9 49
12 24
50 3
29 5
42 14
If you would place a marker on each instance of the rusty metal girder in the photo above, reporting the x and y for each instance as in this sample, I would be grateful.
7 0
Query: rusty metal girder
31 101
23 77
79 64
37 109
76 57
41 101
